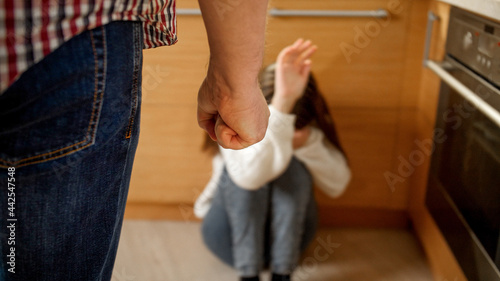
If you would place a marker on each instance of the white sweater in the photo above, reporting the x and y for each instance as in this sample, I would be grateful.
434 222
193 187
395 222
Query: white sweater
252 167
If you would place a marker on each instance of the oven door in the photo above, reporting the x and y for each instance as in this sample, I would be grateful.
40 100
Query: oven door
463 194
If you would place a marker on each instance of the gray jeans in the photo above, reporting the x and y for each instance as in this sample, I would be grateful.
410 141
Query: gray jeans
271 225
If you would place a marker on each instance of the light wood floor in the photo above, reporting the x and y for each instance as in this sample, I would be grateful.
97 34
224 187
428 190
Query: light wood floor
169 250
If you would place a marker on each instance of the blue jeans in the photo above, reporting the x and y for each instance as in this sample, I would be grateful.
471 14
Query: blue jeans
274 224
70 127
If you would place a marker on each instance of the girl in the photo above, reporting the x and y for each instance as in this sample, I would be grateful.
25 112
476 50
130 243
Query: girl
258 208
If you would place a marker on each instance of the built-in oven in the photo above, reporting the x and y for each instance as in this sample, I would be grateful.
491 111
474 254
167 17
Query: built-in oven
463 192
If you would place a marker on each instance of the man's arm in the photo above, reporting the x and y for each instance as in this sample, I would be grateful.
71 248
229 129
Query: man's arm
231 107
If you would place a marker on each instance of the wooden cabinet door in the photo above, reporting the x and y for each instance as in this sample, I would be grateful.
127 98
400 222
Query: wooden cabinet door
170 169
364 68
362 81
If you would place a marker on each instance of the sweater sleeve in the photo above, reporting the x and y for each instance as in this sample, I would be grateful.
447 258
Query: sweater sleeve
254 166
326 164
204 201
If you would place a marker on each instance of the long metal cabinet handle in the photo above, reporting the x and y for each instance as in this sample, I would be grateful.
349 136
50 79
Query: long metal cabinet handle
381 13
446 77
188 12
305 13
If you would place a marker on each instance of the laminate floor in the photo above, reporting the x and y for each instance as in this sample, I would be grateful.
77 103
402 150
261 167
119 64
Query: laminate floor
174 251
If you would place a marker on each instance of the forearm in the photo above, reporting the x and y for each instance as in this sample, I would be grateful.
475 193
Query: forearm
231 107
236 33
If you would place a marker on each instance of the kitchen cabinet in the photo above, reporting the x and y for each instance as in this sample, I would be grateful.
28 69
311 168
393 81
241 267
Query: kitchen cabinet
367 71
359 66
383 102
441 259
170 170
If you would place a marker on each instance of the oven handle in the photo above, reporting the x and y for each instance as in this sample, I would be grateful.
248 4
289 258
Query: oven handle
446 77
465 92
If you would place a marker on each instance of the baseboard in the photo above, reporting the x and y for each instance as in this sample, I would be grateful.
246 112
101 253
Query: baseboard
443 264
328 215
363 217
160 211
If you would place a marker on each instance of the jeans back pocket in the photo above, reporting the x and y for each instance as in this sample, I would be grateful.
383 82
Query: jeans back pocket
53 109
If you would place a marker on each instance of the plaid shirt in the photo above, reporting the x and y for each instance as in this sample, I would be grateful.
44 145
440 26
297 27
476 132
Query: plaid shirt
32 29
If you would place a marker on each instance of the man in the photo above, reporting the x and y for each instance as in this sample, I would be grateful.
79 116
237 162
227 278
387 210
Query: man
70 74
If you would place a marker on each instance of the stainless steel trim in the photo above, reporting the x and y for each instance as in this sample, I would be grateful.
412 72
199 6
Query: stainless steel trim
188 12
431 18
465 92
381 13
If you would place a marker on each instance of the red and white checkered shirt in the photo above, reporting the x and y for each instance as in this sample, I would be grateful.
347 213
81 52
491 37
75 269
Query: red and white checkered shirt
32 29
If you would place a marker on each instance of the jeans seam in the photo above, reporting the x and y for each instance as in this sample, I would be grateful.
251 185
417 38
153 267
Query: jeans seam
128 136
135 80
89 138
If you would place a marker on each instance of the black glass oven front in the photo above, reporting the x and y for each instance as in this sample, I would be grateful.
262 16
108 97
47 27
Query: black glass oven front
464 183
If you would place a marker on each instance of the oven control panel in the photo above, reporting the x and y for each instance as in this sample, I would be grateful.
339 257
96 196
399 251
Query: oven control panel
475 41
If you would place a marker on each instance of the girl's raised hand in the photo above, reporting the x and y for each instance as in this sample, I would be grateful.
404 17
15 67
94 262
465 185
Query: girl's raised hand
292 72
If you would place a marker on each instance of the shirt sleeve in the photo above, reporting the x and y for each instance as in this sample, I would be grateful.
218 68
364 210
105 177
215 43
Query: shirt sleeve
204 201
254 166
326 163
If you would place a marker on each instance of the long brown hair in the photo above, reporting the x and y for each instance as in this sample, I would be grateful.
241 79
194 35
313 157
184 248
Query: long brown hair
310 109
